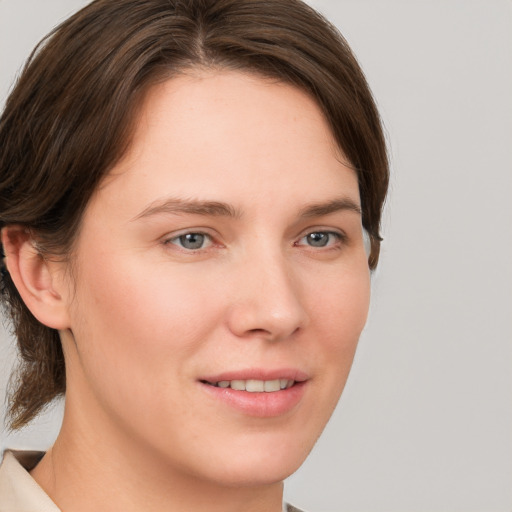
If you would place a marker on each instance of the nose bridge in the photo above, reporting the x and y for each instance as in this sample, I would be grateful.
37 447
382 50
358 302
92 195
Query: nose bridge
269 301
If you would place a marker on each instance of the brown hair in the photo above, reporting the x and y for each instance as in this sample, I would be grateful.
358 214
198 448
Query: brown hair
68 121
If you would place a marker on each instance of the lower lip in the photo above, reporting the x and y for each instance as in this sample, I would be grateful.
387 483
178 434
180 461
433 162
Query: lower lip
259 405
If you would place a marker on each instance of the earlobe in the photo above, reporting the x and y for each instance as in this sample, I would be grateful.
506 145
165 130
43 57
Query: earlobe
38 281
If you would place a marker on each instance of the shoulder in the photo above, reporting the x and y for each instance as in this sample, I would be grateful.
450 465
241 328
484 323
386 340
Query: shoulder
18 490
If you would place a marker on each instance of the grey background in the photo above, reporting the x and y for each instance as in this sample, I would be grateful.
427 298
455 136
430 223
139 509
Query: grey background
425 423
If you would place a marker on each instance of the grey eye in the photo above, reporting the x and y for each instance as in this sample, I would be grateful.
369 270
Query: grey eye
320 239
192 241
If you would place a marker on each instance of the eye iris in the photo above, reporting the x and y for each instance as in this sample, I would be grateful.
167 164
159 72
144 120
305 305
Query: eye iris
318 239
192 240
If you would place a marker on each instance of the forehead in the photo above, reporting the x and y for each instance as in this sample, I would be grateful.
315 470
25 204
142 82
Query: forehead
227 133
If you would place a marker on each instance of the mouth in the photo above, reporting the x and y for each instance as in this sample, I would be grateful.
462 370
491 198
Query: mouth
253 385
257 392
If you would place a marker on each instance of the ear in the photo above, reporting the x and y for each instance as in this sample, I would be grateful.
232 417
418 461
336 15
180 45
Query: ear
40 282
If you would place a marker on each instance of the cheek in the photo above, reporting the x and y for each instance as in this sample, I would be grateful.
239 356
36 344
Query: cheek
341 305
147 303
339 316
138 325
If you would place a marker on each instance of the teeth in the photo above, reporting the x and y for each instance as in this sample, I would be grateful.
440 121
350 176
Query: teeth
272 385
256 386
239 385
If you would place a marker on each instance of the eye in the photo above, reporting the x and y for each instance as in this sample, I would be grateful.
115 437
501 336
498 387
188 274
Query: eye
320 239
191 241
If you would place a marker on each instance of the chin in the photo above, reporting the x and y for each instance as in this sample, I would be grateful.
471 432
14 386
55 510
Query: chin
257 475
261 463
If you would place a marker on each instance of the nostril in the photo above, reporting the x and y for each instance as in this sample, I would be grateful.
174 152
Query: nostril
258 332
273 335
275 315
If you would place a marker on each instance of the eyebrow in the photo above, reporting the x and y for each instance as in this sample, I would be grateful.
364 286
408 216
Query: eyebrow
189 206
332 206
175 206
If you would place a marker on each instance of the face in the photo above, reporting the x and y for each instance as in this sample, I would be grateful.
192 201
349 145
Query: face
220 282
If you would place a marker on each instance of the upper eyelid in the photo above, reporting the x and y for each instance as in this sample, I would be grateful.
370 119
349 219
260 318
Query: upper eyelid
335 231
188 231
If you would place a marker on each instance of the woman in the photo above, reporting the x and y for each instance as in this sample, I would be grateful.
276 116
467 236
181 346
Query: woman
191 195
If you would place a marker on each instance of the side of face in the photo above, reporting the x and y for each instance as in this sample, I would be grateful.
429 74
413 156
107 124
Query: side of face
226 246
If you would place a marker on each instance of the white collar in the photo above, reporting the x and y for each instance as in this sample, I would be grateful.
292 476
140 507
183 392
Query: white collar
18 490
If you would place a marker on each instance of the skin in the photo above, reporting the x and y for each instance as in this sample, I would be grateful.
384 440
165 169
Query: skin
143 318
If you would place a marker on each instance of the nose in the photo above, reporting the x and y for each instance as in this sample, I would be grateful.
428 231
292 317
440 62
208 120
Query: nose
268 302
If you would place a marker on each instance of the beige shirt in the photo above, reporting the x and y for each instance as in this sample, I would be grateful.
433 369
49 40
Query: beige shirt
19 492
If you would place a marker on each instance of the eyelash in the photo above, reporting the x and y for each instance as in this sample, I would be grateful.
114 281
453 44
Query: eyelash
339 238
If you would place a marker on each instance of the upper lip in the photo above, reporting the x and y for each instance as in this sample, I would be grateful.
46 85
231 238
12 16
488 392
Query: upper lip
258 374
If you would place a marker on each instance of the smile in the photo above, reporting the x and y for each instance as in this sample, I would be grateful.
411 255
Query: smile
255 386
258 392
